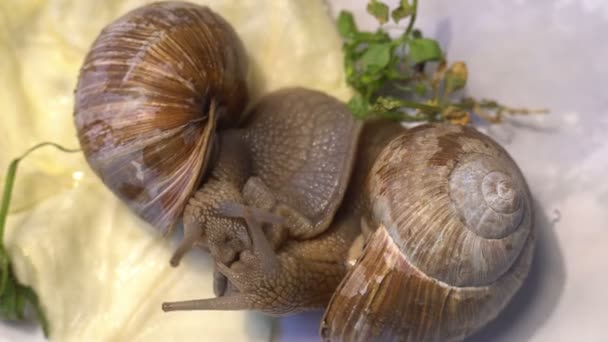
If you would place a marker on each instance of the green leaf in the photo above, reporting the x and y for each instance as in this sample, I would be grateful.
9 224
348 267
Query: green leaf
12 303
403 11
424 50
8 299
13 299
379 10
358 106
346 24
372 37
376 57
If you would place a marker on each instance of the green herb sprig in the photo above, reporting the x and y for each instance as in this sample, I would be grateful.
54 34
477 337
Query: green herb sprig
13 295
394 77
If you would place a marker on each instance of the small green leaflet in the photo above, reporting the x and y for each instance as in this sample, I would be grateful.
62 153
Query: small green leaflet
403 11
424 50
376 57
346 25
379 10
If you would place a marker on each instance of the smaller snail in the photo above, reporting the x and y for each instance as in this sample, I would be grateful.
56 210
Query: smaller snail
453 240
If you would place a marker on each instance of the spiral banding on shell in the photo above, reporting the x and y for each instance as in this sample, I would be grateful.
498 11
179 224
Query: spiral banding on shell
488 201
454 202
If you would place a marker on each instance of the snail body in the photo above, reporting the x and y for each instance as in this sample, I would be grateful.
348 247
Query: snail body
297 149
453 240
152 91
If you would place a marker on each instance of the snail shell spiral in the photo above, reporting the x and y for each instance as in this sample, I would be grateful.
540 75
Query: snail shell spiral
454 240
150 92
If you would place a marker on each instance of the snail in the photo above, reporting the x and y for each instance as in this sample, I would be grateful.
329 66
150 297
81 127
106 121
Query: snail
160 115
447 219
152 90
452 242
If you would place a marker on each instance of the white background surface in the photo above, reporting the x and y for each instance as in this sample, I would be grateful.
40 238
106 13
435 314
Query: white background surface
541 53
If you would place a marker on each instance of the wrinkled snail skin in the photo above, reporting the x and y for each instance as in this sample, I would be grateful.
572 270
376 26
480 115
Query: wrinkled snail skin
303 144
300 146
453 240
151 91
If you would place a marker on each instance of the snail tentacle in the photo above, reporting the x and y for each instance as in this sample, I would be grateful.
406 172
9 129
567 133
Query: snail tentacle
254 218
231 302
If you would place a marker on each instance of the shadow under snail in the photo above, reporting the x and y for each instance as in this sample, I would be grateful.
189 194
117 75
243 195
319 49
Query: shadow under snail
444 213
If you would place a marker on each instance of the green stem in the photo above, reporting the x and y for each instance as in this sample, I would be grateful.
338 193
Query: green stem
4 265
410 25
421 106
6 197
10 182
400 116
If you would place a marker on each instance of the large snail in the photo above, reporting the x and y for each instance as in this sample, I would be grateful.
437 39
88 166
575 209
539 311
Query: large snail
444 211
151 91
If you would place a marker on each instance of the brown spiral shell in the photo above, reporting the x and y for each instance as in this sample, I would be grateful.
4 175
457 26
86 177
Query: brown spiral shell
454 240
150 93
